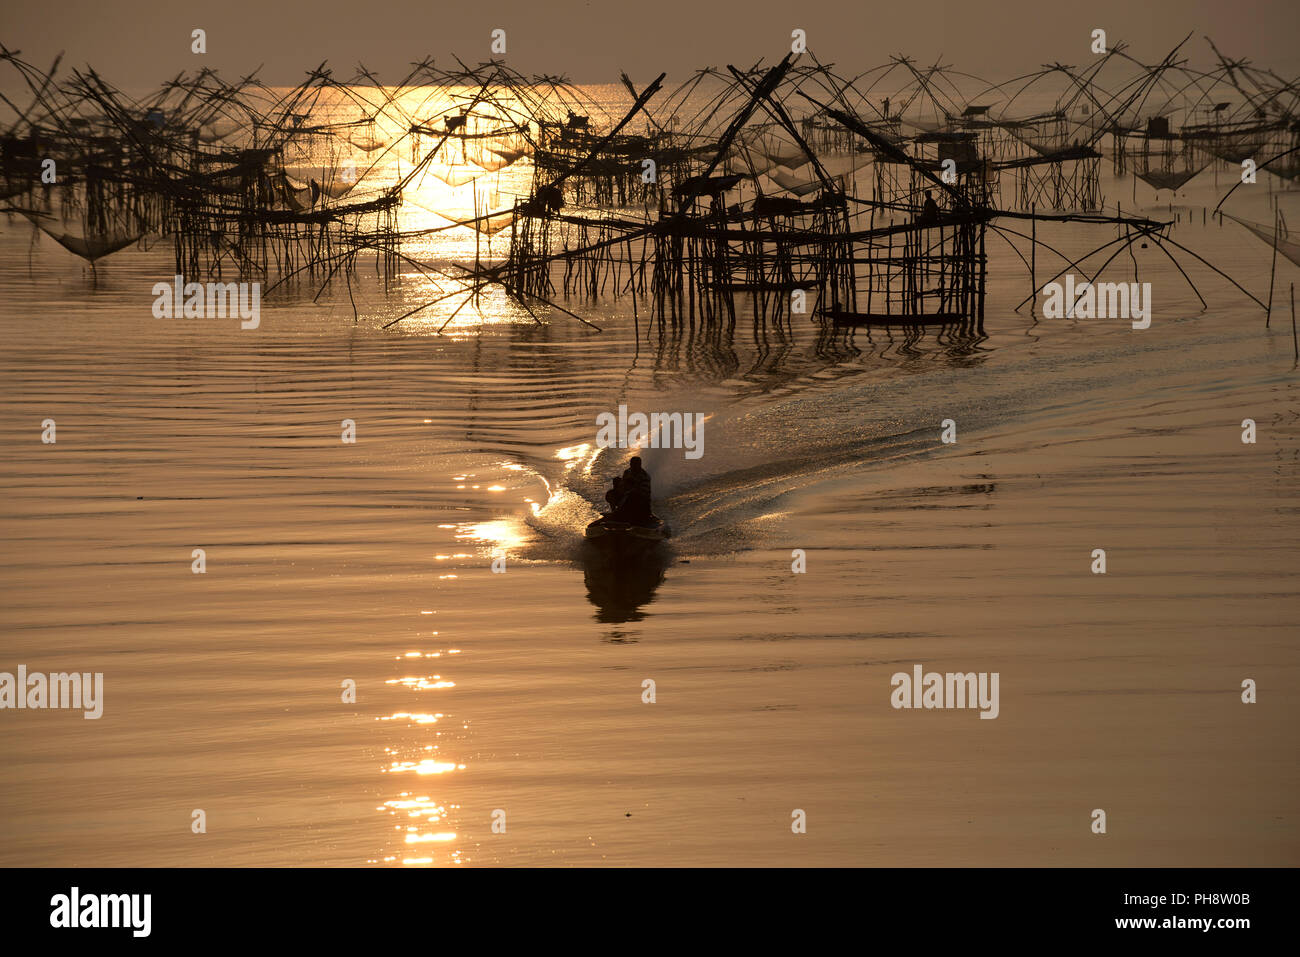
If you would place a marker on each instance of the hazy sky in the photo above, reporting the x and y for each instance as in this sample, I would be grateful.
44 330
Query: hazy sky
136 44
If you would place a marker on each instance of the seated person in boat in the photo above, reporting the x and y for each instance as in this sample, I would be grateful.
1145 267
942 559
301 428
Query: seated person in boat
615 497
636 485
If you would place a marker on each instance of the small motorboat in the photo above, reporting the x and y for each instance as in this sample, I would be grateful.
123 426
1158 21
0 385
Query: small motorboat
604 529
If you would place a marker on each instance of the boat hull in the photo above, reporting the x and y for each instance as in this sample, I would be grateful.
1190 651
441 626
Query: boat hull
603 530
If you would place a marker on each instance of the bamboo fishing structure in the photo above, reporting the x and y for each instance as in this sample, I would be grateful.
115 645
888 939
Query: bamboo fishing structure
764 195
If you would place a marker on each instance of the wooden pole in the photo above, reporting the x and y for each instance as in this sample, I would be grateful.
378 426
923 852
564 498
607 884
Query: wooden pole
1294 341
1277 220
1033 255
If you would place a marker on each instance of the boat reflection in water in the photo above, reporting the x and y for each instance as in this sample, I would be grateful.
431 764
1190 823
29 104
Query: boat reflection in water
622 575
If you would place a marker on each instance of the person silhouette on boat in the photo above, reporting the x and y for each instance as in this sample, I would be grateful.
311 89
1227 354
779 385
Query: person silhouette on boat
636 486
615 497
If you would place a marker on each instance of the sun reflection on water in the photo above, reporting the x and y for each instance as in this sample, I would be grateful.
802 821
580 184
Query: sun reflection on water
409 753
422 683
426 813
427 766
